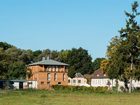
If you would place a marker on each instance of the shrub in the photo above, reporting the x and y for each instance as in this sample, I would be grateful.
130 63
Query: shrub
80 89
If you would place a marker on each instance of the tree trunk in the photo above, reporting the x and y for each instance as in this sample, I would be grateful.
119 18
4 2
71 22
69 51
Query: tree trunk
131 68
130 87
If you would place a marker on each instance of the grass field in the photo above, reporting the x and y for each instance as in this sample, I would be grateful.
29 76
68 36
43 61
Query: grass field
73 98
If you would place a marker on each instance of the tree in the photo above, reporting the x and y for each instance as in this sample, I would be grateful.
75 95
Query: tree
5 45
11 66
26 56
3 64
115 65
16 70
96 64
79 61
13 61
63 55
103 65
36 55
123 52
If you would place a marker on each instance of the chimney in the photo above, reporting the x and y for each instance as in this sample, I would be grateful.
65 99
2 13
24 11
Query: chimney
43 58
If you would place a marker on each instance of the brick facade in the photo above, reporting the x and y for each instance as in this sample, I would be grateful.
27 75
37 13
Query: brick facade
48 75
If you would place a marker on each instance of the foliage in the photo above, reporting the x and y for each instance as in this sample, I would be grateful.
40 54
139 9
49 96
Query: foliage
5 45
96 64
79 61
80 89
11 66
13 61
103 65
124 51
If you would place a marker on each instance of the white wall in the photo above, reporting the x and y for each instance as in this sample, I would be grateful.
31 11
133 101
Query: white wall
16 85
78 82
26 85
32 84
102 82
136 83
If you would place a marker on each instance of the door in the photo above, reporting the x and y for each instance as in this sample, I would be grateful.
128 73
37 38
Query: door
20 85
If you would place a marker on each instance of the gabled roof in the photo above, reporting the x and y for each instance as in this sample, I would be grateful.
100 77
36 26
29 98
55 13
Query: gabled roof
99 74
49 62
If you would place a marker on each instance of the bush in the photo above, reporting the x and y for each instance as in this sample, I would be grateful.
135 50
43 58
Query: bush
80 89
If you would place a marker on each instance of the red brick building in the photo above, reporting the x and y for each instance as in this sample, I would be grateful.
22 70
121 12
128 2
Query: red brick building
47 73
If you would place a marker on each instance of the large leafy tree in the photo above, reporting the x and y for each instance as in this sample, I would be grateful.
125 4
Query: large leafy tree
80 61
11 66
5 45
124 51
96 64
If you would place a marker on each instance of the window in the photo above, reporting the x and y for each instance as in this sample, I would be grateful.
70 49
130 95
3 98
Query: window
47 68
56 68
59 83
64 77
69 81
48 76
99 82
53 69
29 83
74 81
55 77
96 81
42 82
79 81
48 83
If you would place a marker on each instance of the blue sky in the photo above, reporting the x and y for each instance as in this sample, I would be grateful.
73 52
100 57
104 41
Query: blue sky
62 24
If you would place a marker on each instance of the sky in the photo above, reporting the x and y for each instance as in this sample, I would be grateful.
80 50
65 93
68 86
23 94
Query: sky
62 24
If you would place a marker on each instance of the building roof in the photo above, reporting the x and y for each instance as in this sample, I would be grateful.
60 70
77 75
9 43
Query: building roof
18 80
99 74
79 75
49 62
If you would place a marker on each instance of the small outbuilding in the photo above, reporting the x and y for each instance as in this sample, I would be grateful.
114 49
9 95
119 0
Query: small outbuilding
78 80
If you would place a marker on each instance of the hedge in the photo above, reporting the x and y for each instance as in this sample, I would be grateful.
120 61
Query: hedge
80 89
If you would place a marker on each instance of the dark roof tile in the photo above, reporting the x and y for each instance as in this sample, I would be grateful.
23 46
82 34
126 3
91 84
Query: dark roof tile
99 74
49 62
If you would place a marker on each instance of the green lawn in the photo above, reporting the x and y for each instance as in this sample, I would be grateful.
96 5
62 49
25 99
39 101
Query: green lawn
59 98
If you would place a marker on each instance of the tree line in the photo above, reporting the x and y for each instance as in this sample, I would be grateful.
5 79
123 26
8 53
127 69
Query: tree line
14 61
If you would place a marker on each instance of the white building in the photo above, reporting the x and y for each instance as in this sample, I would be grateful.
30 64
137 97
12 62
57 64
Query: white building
101 79
32 84
78 80
23 84
18 84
